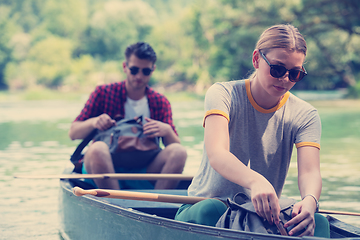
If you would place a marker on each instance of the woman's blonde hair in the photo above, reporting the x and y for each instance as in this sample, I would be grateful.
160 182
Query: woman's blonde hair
281 36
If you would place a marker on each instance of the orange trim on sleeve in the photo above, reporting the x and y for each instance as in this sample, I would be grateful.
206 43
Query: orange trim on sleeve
215 112
307 144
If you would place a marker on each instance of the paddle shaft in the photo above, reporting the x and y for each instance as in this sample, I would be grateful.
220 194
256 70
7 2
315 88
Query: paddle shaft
130 195
339 212
119 176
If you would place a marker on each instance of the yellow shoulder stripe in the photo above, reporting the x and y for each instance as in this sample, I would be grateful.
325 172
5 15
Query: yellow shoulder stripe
307 144
215 112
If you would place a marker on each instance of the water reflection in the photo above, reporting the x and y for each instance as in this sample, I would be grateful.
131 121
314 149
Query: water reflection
29 207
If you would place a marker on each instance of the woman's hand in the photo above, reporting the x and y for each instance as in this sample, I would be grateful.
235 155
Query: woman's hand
265 200
303 217
309 180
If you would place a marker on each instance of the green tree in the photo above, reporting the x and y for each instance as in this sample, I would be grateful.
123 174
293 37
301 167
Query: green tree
197 42
333 28
233 27
47 64
226 33
7 29
114 25
25 13
65 18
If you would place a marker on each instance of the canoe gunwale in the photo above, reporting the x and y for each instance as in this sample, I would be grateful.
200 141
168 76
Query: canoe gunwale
338 226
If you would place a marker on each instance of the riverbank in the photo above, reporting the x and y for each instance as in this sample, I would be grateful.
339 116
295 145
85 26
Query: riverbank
48 94
171 94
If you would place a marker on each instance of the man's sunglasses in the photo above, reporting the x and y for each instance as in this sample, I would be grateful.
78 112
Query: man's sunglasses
277 71
134 70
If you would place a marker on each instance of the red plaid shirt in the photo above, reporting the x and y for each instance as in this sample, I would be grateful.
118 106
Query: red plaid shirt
111 98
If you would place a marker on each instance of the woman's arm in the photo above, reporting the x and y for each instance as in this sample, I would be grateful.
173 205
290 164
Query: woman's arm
226 164
310 183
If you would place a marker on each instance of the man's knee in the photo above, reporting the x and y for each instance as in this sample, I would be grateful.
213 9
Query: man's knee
97 151
177 152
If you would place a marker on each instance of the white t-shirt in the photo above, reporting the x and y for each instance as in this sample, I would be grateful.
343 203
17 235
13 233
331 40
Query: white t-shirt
135 108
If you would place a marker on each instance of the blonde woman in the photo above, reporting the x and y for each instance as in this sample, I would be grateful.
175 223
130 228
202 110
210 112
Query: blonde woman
251 127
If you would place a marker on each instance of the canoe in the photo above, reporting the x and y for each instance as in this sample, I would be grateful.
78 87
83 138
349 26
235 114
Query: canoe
90 217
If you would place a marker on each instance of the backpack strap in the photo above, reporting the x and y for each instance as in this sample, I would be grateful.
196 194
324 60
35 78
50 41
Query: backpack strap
76 156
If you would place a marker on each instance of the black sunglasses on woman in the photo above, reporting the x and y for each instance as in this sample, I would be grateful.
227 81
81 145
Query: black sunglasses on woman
277 71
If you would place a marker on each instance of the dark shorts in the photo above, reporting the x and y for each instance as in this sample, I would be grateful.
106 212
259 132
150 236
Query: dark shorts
134 159
131 162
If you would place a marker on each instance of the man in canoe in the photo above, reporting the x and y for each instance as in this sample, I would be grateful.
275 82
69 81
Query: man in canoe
251 127
129 99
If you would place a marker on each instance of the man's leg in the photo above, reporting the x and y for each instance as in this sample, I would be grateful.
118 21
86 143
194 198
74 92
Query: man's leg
97 160
170 160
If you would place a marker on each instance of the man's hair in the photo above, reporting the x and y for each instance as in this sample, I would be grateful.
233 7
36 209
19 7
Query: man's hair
141 50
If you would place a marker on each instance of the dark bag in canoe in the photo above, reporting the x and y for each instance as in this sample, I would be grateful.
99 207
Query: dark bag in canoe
241 215
125 139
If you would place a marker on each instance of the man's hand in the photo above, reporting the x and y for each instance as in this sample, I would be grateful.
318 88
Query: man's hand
154 128
103 122
303 216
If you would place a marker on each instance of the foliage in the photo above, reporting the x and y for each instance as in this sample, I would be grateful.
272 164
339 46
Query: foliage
333 27
330 28
7 28
77 44
47 62
114 25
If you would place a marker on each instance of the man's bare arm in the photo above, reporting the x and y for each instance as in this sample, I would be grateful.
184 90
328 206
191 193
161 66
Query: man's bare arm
81 129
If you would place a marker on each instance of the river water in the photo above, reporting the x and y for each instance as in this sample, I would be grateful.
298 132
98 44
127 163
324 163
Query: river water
34 141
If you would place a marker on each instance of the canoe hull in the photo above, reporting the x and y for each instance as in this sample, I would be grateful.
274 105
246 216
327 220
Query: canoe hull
89 217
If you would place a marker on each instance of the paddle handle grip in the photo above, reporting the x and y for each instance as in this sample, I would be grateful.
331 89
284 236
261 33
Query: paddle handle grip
81 192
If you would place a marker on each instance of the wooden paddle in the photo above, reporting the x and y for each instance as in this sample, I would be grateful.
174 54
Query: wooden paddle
120 176
154 197
339 212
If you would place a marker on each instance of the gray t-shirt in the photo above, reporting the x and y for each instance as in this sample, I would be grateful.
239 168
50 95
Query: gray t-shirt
262 139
